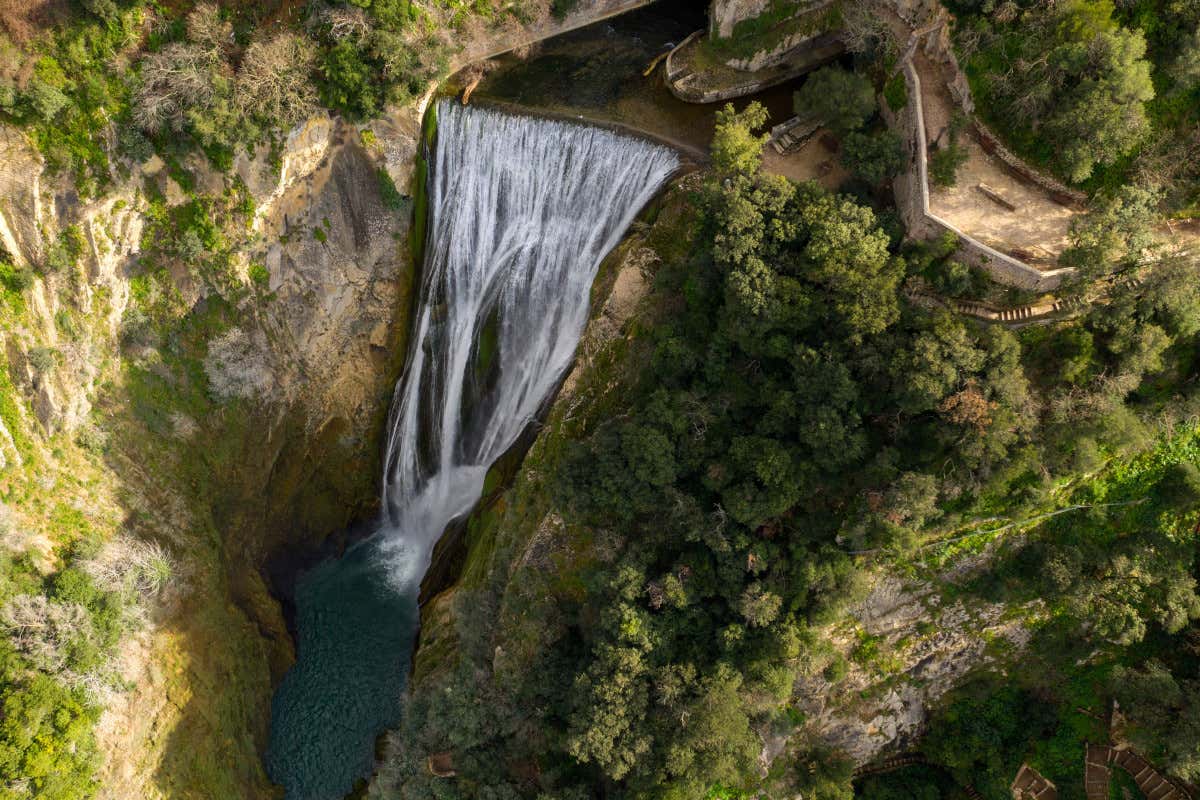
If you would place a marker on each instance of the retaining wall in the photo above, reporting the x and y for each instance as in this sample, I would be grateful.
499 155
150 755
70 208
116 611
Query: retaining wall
1060 193
912 198
494 43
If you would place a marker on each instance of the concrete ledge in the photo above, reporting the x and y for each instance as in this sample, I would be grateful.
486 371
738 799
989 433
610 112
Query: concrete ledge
504 41
804 57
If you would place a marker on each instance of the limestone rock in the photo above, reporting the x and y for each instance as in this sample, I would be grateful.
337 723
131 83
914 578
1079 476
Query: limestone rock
20 201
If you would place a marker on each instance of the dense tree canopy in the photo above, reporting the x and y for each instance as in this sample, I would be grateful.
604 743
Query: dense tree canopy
1068 75
842 99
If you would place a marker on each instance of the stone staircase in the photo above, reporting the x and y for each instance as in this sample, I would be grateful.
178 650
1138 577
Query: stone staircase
1016 317
1032 785
1099 760
1029 784
787 137
1096 772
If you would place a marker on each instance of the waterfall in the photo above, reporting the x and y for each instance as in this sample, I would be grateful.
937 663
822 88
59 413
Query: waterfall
522 211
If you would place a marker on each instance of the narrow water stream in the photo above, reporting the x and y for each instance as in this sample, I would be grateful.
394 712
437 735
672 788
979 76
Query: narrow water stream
522 211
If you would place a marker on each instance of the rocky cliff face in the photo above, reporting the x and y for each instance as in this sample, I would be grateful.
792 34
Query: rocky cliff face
905 648
276 447
244 428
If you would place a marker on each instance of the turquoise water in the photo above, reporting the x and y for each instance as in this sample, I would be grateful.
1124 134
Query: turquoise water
354 648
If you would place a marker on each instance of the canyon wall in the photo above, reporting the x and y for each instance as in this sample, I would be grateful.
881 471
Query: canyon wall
231 419
260 434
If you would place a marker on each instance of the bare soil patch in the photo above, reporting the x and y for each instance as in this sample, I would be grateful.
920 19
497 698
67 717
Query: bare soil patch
812 162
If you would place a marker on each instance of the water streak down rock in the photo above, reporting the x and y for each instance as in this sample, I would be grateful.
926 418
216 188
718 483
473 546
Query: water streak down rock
522 211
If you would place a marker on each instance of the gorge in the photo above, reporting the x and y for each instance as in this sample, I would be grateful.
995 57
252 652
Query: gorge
521 212
356 442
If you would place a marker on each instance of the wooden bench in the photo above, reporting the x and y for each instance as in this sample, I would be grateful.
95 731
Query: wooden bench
996 197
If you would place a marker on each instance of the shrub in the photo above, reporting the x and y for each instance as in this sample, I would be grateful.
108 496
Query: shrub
46 739
349 85
274 81
42 359
944 164
259 274
560 8
387 189
895 92
182 80
14 278
134 567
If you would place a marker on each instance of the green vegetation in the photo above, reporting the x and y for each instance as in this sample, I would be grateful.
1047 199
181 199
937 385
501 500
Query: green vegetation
215 76
841 99
779 419
895 92
944 163
392 198
873 158
1104 96
768 29
784 410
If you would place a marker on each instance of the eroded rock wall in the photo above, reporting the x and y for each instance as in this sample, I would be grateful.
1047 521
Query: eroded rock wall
725 14
280 452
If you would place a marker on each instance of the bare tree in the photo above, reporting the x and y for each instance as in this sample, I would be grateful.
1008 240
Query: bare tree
132 566
206 29
175 80
275 83
863 29
345 22
184 76
42 629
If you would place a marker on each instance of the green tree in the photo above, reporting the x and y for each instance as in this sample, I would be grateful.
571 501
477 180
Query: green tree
945 162
349 84
875 158
1186 69
1118 228
843 100
1102 116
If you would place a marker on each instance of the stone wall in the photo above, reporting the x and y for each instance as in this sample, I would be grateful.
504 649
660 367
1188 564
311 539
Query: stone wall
1061 193
940 50
810 24
912 199
723 15
490 43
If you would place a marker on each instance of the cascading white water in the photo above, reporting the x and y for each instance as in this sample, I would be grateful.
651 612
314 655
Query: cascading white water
522 211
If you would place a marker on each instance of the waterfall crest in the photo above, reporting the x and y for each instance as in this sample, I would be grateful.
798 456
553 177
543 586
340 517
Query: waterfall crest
522 211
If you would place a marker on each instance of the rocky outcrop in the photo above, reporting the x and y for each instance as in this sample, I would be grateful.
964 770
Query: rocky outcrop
725 14
20 196
881 706
296 391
